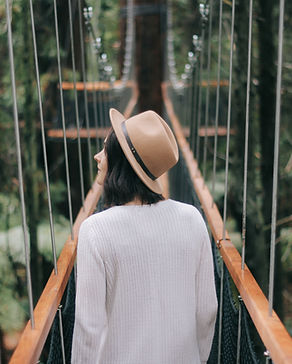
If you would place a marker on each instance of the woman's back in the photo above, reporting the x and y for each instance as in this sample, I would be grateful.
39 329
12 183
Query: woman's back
146 290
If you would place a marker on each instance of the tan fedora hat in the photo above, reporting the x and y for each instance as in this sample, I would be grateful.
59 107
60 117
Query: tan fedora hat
148 143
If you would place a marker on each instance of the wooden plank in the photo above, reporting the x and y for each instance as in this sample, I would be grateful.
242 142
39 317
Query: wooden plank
204 83
97 85
209 132
270 328
32 341
102 132
72 133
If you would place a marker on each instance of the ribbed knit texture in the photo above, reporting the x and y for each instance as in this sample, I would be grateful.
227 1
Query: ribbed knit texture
145 287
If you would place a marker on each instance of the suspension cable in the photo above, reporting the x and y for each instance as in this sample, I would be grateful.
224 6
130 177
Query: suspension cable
85 91
239 330
94 76
76 102
226 168
201 60
19 164
43 138
63 120
95 48
61 334
128 42
276 156
246 136
220 310
228 119
208 89
217 99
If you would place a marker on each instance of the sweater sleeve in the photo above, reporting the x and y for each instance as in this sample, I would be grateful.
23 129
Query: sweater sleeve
206 297
90 312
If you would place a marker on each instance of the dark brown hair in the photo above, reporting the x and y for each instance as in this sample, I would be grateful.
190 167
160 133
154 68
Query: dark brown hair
122 184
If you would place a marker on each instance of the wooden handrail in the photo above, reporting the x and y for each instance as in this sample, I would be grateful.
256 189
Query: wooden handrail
32 341
270 328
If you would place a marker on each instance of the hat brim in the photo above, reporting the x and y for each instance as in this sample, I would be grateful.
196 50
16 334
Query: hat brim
116 119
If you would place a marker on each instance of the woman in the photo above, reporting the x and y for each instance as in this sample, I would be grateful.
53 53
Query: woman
145 283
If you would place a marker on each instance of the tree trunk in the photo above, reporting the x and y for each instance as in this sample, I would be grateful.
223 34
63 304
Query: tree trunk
150 37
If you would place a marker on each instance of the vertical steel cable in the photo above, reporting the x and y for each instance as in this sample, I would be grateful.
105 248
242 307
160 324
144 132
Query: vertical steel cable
76 102
220 310
100 103
19 164
43 137
85 91
226 175
228 119
66 158
63 120
217 99
207 91
61 334
200 94
246 136
238 331
95 100
195 101
128 42
276 156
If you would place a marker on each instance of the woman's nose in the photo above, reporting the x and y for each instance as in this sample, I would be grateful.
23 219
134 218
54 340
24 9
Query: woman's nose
97 156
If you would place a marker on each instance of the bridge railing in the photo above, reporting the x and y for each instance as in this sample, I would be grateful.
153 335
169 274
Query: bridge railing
271 330
33 339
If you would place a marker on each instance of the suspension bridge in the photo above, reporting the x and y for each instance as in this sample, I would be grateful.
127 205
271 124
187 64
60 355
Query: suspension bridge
198 106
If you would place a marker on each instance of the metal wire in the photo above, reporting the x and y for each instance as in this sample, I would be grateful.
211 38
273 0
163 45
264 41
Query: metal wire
217 100
85 92
238 331
276 156
63 120
19 164
220 310
200 94
246 136
61 334
207 90
228 119
43 138
195 101
76 103
95 100
129 42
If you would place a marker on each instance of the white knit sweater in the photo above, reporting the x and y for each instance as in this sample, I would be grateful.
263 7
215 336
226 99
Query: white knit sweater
145 287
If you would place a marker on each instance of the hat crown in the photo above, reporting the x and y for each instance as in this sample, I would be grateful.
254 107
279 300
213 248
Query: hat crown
148 143
153 141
